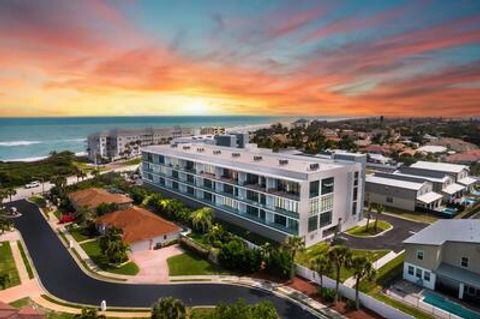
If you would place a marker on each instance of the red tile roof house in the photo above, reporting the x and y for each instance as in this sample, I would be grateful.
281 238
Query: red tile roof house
91 198
26 312
142 230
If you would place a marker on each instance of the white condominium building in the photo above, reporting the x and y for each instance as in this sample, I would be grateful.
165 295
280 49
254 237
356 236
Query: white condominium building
122 143
271 194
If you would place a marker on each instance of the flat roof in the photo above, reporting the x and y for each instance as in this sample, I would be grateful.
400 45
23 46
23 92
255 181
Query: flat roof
441 167
429 197
457 230
453 188
428 178
458 274
393 182
222 156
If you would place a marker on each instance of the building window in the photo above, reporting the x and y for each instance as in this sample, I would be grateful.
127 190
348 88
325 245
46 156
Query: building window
418 274
426 275
314 188
326 203
464 262
313 223
314 206
252 211
327 185
262 214
411 270
228 189
420 254
355 193
389 199
253 196
354 208
325 219
280 220
208 183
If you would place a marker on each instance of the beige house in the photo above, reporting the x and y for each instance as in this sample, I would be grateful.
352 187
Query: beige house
445 256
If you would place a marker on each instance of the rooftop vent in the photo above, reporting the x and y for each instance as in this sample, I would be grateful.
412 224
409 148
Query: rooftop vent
235 154
314 167
257 158
217 152
200 149
186 147
283 162
173 145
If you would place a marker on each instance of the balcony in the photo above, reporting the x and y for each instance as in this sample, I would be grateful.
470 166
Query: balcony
284 193
257 187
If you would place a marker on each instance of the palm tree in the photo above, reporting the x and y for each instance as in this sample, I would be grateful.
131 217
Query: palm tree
294 244
3 195
89 313
369 214
11 192
169 308
95 173
339 256
202 218
5 224
362 268
379 210
322 266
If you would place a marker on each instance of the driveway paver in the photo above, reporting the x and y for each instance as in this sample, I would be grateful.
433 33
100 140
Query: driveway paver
153 264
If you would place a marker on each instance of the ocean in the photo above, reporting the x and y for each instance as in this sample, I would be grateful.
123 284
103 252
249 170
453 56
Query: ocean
28 139
34 138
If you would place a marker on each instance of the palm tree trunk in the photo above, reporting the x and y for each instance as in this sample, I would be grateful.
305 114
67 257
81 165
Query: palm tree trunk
337 283
321 285
357 300
368 222
376 221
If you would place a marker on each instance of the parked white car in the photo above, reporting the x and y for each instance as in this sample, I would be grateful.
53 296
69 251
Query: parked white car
33 184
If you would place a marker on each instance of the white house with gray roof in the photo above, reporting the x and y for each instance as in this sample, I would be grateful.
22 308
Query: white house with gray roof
402 194
273 194
445 256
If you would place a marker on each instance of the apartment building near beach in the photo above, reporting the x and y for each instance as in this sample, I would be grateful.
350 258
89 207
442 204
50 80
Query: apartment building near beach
276 195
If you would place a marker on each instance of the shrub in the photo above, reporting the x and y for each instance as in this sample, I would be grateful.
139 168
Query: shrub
351 305
236 256
279 263
328 294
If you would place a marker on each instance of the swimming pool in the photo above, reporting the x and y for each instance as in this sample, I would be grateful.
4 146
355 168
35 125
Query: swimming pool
476 193
449 306
449 212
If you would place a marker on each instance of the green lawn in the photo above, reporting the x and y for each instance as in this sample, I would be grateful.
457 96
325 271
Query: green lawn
78 233
189 264
322 248
416 216
201 313
7 265
385 275
201 239
361 231
21 302
93 250
25 259
58 214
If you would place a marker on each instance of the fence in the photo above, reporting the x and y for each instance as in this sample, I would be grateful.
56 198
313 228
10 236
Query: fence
371 303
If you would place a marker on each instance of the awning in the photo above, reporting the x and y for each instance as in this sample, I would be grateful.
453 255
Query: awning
458 274
467 181
453 188
429 197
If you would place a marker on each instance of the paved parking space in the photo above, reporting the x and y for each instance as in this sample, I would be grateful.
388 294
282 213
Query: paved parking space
402 229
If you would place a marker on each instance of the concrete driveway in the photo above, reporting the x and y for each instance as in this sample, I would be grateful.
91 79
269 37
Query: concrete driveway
402 229
153 264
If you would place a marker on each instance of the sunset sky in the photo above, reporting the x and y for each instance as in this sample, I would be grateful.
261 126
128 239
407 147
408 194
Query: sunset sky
258 57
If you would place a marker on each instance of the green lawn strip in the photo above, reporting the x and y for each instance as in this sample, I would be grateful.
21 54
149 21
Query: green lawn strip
362 232
92 249
385 275
25 259
58 214
85 266
201 313
417 313
416 216
305 257
77 233
7 265
133 161
190 264
21 302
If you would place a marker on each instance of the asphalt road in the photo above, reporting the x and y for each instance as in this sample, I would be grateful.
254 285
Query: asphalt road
402 229
62 277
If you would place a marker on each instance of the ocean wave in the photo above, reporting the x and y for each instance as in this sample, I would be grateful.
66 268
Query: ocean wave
19 143
27 143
